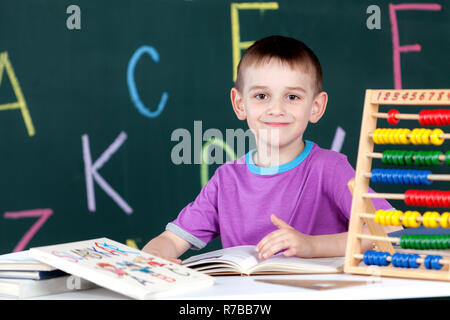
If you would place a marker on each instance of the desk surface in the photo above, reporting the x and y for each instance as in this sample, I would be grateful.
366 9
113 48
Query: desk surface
241 288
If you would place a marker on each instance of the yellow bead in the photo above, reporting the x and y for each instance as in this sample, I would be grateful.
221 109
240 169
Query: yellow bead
410 219
392 136
376 136
404 136
395 218
430 219
378 213
434 137
445 220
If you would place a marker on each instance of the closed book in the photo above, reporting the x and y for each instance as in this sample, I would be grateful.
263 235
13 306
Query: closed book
27 288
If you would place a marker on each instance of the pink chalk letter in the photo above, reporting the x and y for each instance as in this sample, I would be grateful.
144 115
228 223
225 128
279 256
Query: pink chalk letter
91 173
397 48
44 214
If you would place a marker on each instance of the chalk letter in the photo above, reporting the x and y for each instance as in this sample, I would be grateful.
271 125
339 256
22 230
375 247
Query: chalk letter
91 173
74 20
132 85
397 49
43 215
235 32
21 103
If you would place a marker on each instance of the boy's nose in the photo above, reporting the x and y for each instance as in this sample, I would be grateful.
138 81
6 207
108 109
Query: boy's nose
276 109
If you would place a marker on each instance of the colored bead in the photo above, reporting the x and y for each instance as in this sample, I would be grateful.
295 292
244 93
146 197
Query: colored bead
435 262
430 219
427 262
395 218
410 219
391 119
445 219
372 257
401 176
439 117
428 198
435 139
432 262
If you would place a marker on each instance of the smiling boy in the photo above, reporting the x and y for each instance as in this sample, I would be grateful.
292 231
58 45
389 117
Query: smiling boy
287 194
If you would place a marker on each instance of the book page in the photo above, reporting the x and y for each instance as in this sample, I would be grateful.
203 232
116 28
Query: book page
280 262
243 257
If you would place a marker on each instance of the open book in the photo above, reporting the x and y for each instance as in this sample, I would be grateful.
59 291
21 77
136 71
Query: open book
244 260
120 268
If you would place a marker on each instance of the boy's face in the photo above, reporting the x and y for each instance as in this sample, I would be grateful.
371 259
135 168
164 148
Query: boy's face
278 102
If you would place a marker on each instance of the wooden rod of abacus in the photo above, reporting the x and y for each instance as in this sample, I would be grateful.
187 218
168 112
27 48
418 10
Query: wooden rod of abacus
444 136
379 238
391 196
399 116
419 260
433 177
379 155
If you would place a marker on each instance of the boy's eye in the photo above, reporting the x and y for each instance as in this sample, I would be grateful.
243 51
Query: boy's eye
260 96
293 97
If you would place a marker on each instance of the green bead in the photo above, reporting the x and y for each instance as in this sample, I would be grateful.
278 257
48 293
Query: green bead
409 157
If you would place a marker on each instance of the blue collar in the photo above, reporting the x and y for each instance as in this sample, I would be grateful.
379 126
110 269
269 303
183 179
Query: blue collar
277 169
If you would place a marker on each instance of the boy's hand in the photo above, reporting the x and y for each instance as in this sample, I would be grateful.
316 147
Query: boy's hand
285 238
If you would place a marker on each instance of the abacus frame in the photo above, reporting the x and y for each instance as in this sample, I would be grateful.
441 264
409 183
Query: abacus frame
360 185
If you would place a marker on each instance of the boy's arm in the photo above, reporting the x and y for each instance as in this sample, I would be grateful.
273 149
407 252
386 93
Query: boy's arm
168 246
334 245
297 244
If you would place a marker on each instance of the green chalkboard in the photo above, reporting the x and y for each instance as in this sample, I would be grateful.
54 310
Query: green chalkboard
88 107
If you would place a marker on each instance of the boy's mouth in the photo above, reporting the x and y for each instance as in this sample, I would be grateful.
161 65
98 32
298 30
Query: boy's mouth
276 124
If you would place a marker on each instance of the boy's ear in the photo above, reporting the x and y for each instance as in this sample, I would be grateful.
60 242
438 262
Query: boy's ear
238 104
319 106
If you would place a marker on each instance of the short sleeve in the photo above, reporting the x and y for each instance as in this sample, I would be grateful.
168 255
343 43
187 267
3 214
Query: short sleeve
342 173
198 222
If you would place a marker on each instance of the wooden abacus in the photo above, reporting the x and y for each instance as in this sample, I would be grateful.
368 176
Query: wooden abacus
416 258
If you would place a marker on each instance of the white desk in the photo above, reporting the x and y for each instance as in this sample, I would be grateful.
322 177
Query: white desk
241 288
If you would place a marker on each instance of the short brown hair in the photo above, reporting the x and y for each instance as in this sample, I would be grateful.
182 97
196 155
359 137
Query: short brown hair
287 50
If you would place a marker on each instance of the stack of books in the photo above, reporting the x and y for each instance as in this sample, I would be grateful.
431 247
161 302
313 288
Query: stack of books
24 277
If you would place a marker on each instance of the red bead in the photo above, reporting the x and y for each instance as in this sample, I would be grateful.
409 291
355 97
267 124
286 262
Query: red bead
391 116
428 198
438 117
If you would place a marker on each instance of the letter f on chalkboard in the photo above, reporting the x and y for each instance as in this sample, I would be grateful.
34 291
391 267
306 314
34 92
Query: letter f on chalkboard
91 173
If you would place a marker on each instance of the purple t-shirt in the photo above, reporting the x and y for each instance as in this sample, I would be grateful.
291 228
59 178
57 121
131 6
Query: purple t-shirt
310 193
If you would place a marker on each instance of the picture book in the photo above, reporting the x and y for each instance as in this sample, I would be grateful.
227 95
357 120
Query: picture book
123 269
244 260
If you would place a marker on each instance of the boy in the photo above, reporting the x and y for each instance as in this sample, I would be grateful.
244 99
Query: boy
288 194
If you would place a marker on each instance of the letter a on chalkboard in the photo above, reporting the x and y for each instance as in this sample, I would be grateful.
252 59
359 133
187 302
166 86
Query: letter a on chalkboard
20 103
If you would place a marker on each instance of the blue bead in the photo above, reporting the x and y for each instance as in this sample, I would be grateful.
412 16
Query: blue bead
412 260
435 262
427 262
384 257
395 259
367 258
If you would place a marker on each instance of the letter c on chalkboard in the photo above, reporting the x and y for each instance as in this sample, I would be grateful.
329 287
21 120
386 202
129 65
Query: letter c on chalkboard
132 85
